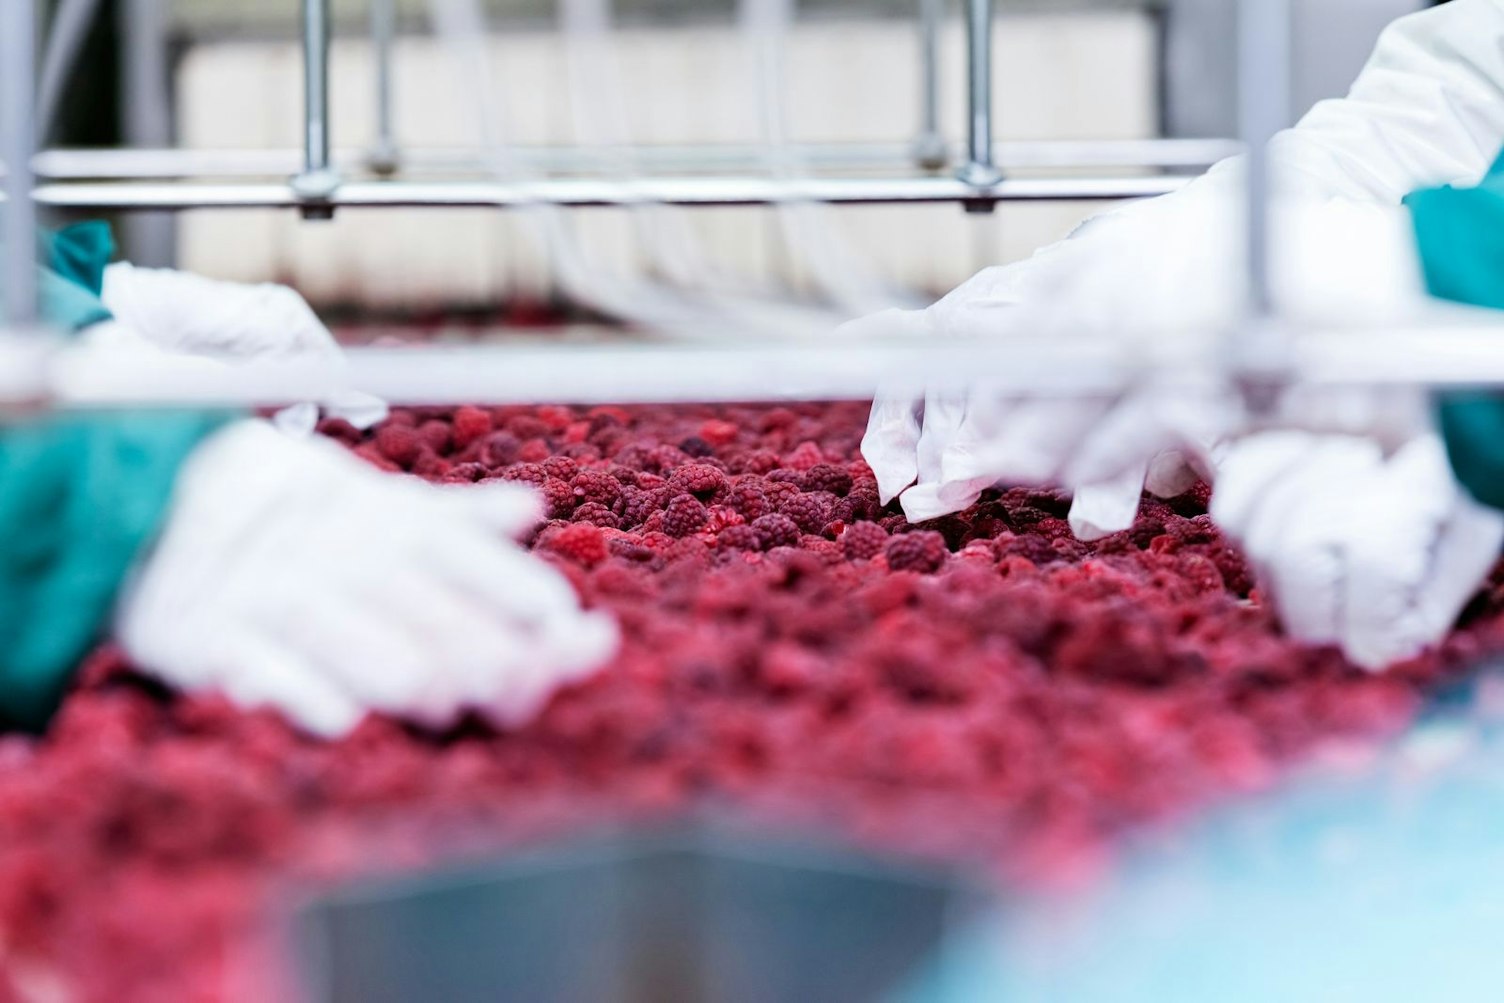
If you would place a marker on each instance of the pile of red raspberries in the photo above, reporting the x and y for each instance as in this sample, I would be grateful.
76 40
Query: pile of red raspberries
984 686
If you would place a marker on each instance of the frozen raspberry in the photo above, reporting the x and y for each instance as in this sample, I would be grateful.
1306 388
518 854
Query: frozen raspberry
922 551
556 417
683 516
863 541
776 531
526 473
721 516
663 459
809 512
750 500
436 435
696 447
637 505
561 467
594 486
466 473
792 478
558 499
759 461
399 444
581 543
1030 547
828 477
717 432
500 449
598 515
431 466
470 424
704 482
806 457
341 430
535 451
527 426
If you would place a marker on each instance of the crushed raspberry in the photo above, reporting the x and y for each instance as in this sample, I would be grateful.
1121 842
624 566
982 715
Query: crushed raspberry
924 552
684 515
863 541
776 531
1019 706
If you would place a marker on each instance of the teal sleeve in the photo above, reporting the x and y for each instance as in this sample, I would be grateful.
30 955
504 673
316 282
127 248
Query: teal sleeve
79 498
1460 238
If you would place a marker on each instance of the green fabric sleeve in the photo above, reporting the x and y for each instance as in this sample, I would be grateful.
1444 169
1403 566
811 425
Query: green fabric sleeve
1460 237
79 498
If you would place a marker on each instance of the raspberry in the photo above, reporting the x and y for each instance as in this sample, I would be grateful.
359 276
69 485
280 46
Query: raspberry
526 426
759 461
751 501
582 543
718 433
436 435
500 449
863 541
683 516
470 425
534 451
776 531
467 473
806 457
597 514
663 459
526 473
809 512
923 552
431 466
340 429
558 499
638 505
792 478
739 538
704 482
556 418
828 477
594 486
697 447
561 467
780 492
399 444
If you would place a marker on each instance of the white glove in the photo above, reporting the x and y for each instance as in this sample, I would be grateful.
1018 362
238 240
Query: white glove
233 323
292 575
1376 555
1167 279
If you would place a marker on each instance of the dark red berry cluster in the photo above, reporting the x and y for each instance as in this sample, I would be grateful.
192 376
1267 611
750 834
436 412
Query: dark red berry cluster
984 685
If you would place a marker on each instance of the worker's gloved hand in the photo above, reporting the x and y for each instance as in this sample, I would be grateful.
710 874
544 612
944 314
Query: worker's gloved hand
232 322
1375 554
1165 280
292 575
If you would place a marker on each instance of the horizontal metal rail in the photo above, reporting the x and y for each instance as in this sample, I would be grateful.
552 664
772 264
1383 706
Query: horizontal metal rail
1445 356
731 191
147 164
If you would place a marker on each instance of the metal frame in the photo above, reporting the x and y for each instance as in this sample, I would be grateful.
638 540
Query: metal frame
1446 355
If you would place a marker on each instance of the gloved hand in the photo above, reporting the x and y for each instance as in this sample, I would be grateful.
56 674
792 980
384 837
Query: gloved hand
231 322
291 575
1375 554
1166 279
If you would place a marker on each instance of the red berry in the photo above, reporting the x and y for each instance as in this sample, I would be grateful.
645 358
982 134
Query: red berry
558 499
594 486
399 444
581 543
809 512
776 531
597 514
863 541
470 425
923 552
828 477
698 479
684 516
526 473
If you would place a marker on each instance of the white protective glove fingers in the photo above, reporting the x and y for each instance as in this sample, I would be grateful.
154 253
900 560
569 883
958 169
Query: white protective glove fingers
1248 470
1171 473
1146 425
1100 510
1033 442
890 445
944 415
299 420
510 510
362 410
259 671
523 591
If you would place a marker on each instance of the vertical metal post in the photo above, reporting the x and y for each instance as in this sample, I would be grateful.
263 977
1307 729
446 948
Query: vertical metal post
145 104
319 179
18 39
929 145
383 159
979 170
1264 88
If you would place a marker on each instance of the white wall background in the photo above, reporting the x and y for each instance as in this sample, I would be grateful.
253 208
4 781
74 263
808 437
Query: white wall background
1059 76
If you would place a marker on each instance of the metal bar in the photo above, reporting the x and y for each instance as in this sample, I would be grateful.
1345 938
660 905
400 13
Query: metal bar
145 106
66 34
732 191
1264 68
18 291
1442 356
142 164
318 180
930 150
384 156
979 171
